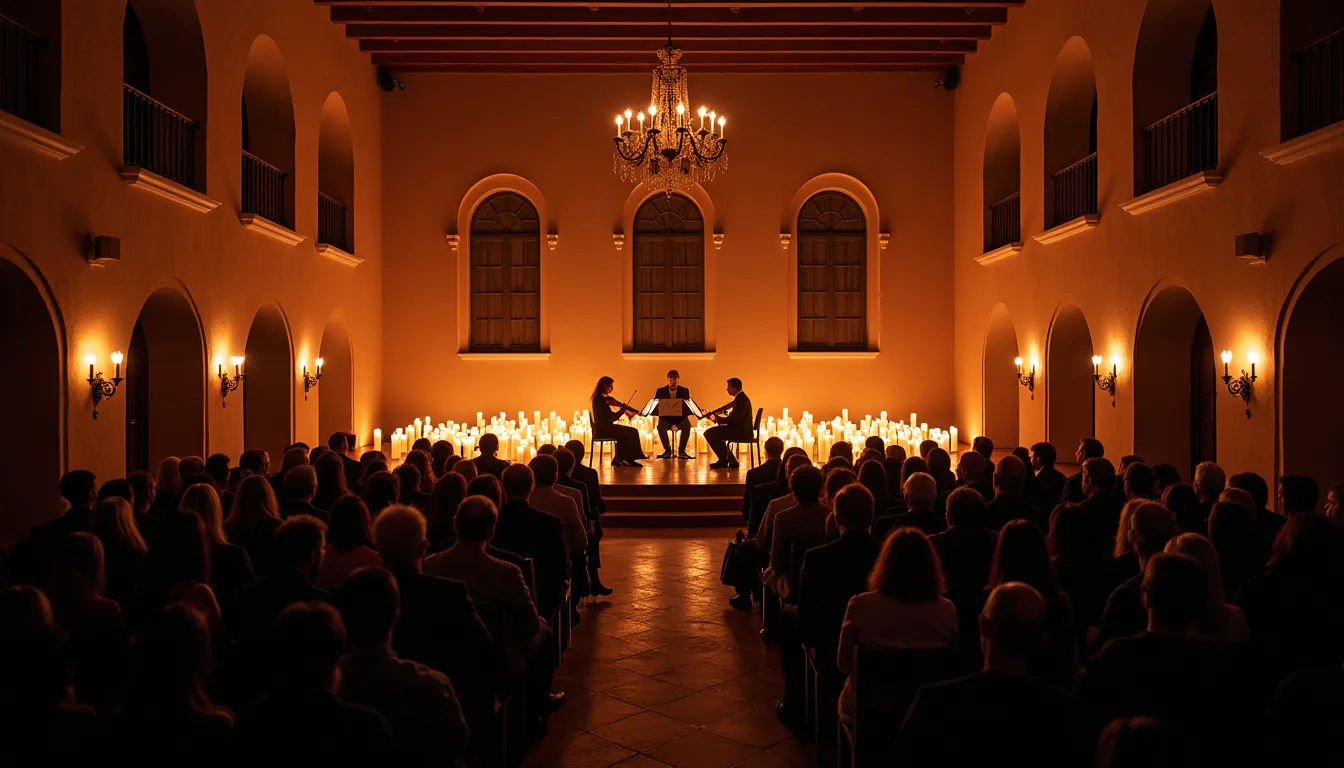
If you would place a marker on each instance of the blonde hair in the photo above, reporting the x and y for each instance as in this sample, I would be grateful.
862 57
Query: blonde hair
1200 549
203 500
169 476
113 523
254 500
1121 546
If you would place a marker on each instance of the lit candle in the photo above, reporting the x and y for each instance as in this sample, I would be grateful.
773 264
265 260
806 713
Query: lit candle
1253 358
1227 358
1018 362
91 360
1096 365
116 360
702 112
952 440
721 122
619 121
377 439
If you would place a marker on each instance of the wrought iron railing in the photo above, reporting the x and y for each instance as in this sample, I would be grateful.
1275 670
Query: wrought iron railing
331 217
21 54
1320 83
1004 225
1181 144
1074 191
264 189
158 138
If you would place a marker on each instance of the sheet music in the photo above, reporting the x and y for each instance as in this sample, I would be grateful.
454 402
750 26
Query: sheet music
649 407
694 409
671 407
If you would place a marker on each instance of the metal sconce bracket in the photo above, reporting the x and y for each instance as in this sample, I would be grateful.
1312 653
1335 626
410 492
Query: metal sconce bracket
1243 387
310 381
101 389
1028 380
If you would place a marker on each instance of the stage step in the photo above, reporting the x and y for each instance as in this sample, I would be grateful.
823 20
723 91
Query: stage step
671 490
672 519
717 503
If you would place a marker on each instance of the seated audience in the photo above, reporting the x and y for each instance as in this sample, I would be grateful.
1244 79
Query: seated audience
527 531
547 498
217 467
1049 482
408 484
927 447
966 550
1008 503
940 467
382 489
190 467
142 486
488 463
1242 549
1140 482
439 453
230 567
575 475
40 718
1151 527
1014 712
300 490
1100 501
903 608
1298 495
424 466
761 475
1165 476
79 490
178 568
253 520
419 704
1088 448
1183 502
302 717
835 481
1022 556
124 551
1078 564
95 625
921 494
1221 622
1268 521
1303 717
467 469
349 543
167 484
331 480
1210 481
806 518
448 493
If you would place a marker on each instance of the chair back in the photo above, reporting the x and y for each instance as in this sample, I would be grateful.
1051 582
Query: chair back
885 680
756 426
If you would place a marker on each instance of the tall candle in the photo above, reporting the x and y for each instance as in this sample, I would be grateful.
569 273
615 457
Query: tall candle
377 439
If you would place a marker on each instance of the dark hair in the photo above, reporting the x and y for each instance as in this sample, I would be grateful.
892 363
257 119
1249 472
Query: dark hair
841 449
791 465
317 453
253 501
927 447
217 467
1023 455
489 487
1152 525
873 476
475 519
419 458
370 456
895 471
908 568
875 443
774 447
853 508
119 486
565 461
673 374
337 442
1092 448
421 444
1140 742
1010 474
299 482
1300 493
837 480
1166 475
181 552
253 460
448 493
983 446
939 461
1140 480
1184 505
913 466
439 453
488 445
1309 545
331 485
806 484
1045 453
1101 472
965 506
142 485
408 477
174 666
1253 484
380 490
735 383
1175 588
575 447
370 600
296 540
1021 555
836 462
545 470
1072 541
350 526
600 390
308 640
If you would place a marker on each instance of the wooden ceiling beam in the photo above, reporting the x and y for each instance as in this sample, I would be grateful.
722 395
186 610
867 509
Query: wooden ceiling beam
404 14
647 47
651 32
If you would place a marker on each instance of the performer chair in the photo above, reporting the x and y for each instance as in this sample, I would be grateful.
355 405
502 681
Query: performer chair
599 447
754 449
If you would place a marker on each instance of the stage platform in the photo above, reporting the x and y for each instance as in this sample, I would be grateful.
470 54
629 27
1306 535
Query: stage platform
671 493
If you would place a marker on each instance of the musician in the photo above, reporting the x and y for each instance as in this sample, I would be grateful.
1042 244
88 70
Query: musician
628 449
735 426
667 423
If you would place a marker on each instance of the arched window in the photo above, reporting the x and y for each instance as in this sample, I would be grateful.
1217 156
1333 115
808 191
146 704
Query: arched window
335 177
669 276
1002 176
1071 137
506 275
832 274
30 62
268 135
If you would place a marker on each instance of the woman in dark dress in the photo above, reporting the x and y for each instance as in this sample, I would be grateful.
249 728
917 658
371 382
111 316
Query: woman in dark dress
628 449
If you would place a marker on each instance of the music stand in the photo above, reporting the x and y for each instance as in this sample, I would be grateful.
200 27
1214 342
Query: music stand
694 408
671 408
649 407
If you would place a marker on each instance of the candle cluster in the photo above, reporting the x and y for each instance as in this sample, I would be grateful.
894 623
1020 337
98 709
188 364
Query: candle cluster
519 438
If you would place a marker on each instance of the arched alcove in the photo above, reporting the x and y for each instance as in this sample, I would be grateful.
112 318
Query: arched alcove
1312 365
268 393
1175 93
32 40
335 395
165 94
268 135
1175 383
1071 136
165 382
1000 379
336 177
1068 380
32 391
668 276
1002 176
832 274
505 275
1311 36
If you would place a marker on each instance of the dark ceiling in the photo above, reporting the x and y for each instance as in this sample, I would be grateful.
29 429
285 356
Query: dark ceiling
622 35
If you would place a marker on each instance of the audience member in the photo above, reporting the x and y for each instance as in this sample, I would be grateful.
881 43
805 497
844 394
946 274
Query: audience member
1101 503
834 481
1298 495
408 485
487 486
1221 622
349 543
124 551
1088 448
178 568
217 467
1008 503
487 462
806 518
190 467
1079 565
1184 504
1266 520
896 453
332 484
597 506
39 715
423 464
940 467
253 520
1334 503
1165 476
1242 549
966 550
1022 556
921 493
142 485
341 448
439 453
167 483
467 469
926 447
300 489
1049 482
527 531
448 493
873 476
230 566
382 489
1151 527
1140 742
94 624
547 498
1140 482
1210 480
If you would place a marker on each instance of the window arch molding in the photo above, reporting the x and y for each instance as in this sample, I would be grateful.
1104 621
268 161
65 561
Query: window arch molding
466 211
711 229
860 193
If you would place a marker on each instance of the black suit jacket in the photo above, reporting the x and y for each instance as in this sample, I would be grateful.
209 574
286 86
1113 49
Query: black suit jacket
582 488
588 476
761 496
30 555
1073 488
966 552
742 418
290 508
352 469
927 520
757 476
1103 510
249 616
1007 507
663 393
529 532
831 574
492 465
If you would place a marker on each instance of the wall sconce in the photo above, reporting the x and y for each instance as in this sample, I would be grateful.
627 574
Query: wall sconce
1243 385
1106 383
310 381
1027 380
101 389
226 384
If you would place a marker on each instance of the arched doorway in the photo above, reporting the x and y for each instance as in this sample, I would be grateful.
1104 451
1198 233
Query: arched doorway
1000 379
1313 365
832 274
1175 93
31 349
1071 137
505 275
336 177
335 395
165 382
268 135
1002 176
1174 383
268 393
1071 406
669 276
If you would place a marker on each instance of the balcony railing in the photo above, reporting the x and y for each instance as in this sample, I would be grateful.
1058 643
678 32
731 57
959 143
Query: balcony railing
158 138
1320 83
331 217
264 189
1075 190
1181 144
1004 226
21 54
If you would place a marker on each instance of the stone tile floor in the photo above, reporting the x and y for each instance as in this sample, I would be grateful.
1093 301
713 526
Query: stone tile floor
664 672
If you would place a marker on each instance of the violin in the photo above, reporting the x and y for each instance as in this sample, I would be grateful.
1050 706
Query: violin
717 411
626 408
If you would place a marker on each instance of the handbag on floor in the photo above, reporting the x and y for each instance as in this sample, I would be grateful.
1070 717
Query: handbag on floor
729 568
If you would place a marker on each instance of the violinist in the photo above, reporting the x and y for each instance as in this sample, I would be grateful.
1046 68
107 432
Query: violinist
628 448
735 426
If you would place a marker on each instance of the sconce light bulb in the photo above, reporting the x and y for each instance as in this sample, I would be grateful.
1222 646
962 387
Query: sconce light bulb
236 360
1096 359
117 357
1227 356
91 359
722 120
628 114
219 361
1017 361
1034 363
319 362
681 109
1115 360
1252 358
653 110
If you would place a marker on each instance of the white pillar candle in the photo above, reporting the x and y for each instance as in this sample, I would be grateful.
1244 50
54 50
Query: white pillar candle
377 439
953 440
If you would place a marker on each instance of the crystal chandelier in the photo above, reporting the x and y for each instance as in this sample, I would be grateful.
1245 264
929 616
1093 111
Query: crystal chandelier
666 147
